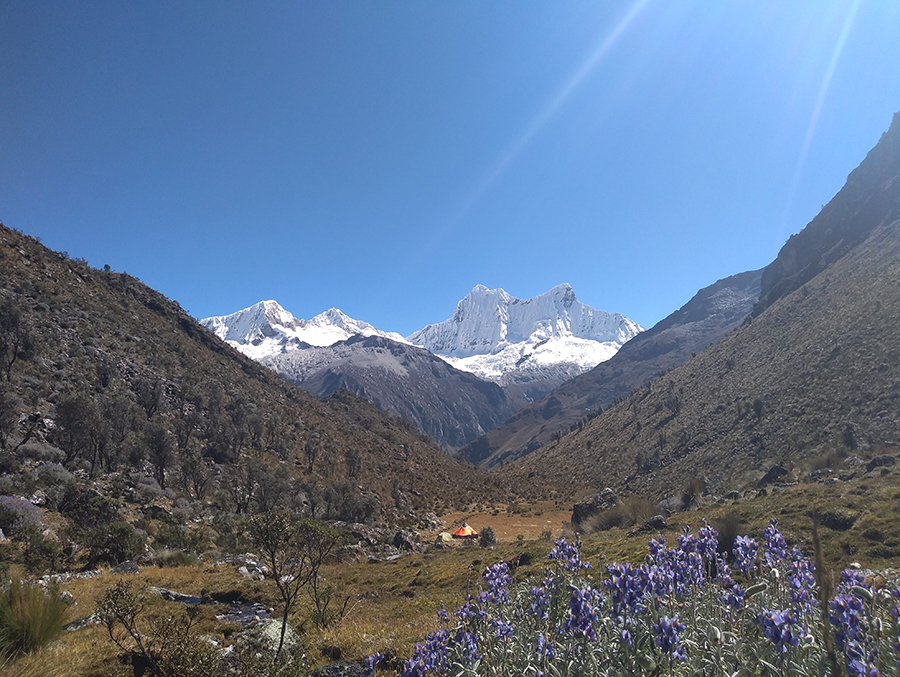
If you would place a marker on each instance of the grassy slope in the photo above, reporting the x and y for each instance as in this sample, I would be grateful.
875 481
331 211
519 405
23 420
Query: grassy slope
823 359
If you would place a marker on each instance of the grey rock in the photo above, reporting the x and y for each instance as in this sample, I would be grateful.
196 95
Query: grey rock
80 623
264 634
776 472
602 500
880 462
172 596
128 567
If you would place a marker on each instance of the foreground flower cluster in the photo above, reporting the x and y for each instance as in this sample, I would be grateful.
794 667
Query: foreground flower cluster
685 611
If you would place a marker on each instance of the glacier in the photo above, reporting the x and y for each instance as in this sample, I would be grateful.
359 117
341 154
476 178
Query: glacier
508 340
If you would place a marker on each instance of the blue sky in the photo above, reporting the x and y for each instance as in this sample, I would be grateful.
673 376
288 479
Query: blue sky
385 157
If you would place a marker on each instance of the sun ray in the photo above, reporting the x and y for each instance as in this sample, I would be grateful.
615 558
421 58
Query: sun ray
817 109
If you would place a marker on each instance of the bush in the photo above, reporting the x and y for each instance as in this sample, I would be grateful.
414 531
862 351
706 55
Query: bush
115 543
176 558
487 537
17 514
29 618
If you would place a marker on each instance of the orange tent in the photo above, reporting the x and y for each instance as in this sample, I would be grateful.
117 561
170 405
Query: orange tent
465 531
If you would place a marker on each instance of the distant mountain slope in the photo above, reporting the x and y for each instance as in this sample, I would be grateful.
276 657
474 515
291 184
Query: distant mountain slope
528 346
705 319
452 406
817 372
110 344
333 351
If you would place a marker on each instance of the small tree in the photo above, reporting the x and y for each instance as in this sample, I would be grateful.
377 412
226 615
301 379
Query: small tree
487 538
17 342
293 549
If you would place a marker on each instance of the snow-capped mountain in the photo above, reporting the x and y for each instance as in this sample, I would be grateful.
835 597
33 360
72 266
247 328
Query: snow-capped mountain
266 329
532 344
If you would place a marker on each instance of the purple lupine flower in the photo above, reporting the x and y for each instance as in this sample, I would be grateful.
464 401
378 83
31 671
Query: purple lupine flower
582 613
745 550
845 615
626 589
657 550
468 611
469 643
498 579
895 612
545 648
776 546
569 556
733 598
687 542
372 662
442 615
849 578
666 631
778 627
708 541
540 602
857 668
428 656
503 629
802 585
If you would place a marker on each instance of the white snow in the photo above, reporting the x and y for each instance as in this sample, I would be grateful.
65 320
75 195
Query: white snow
502 338
266 329
492 334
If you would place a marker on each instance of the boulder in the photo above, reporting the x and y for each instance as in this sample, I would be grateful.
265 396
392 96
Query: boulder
775 473
880 462
405 540
263 636
127 567
602 500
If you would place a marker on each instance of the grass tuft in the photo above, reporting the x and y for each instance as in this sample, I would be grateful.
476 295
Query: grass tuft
29 618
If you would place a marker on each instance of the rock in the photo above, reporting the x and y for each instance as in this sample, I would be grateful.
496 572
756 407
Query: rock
128 567
880 461
776 472
80 623
655 523
263 636
172 596
405 540
602 500
341 669
820 475
733 496
669 506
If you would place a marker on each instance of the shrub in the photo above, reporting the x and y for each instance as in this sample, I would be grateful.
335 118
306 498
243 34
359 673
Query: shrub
115 543
17 514
487 538
176 558
29 618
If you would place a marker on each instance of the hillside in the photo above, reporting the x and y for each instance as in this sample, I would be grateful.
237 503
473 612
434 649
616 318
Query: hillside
123 380
453 407
816 375
705 319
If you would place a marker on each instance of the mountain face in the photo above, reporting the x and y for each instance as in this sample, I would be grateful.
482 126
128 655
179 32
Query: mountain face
706 318
871 197
267 329
814 375
452 406
132 385
333 351
528 346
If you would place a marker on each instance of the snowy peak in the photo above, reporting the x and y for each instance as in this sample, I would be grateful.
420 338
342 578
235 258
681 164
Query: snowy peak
267 329
487 320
